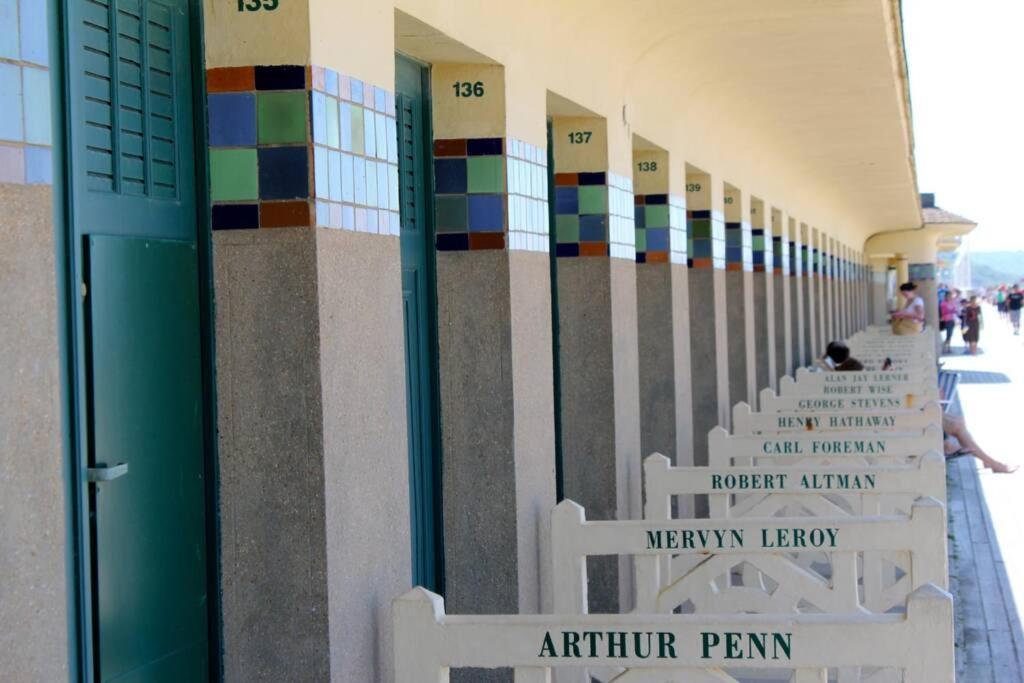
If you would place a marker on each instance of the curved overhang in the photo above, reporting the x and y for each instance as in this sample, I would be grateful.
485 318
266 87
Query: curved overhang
802 104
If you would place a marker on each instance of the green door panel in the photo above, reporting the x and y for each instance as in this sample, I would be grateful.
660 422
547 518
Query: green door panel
138 346
414 167
148 527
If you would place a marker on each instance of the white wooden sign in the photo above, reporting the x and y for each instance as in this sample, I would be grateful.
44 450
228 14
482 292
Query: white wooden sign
693 648
769 401
744 421
815 384
724 449
707 554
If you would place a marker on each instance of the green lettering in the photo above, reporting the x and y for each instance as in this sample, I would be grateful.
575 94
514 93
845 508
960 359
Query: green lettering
570 641
708 641
548 648
667 645
784 642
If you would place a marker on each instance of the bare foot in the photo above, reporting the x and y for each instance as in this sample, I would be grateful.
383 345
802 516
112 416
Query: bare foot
1003 468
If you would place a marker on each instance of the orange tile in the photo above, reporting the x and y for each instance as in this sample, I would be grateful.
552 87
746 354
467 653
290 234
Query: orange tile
639 199
593 249
701 263
734 266
285 214
566 179
657 257
231 79
486 240
450 148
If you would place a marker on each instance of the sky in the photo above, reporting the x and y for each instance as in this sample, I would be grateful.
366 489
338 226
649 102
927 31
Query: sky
966 62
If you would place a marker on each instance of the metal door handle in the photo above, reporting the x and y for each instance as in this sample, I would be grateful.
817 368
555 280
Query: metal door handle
97 474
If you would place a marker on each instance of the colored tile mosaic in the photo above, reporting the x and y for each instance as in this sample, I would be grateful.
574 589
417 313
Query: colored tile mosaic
706 231
528 215
355 154
25 127
284 152
761 250
660 223
738 253
780 255
470 187
794 260
594 215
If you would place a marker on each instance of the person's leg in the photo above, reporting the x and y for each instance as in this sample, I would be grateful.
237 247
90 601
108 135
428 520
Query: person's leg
957 428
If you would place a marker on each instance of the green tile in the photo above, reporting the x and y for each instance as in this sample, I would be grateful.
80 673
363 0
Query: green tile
641 239
233 175
656 216
593 199
567 228
357 129
758 243
451 213
700 228
282 117
485 175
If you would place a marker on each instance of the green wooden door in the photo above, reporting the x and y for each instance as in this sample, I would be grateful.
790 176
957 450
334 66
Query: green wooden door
418 302
139 383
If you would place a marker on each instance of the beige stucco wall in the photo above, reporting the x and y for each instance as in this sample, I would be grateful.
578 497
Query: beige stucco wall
33 590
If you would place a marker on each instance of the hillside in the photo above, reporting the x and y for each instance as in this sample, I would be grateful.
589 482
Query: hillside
996 267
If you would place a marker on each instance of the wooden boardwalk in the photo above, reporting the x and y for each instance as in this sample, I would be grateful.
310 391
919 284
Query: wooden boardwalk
990 644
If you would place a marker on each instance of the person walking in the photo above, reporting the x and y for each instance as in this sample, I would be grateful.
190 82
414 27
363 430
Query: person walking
972 325
1014 302
949 311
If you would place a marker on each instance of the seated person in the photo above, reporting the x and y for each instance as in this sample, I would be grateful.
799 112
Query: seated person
837 357
957 440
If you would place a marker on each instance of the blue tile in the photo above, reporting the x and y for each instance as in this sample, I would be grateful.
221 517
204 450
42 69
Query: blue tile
331 122
283 172
235 216
450 176
453 242
348 192
356 88
392 133
381 128
640 216
323 214
34 45
657 239
359 179
701 249
38 126
592 178
284 77
486 212
319 108
734 254
593 228
348 217
369 133
371 183
331 81
38 165
232 119
476 147
334 175
321 176
567 200
346 126
9 29
11 127
656 199
379 99
563 250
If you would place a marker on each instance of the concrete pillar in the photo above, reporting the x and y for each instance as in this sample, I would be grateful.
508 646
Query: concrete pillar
783 298
797 288
708 329
844 292
597 318
764 296
663 305
818 340
660 218
879 295
739 295
810 295
494 343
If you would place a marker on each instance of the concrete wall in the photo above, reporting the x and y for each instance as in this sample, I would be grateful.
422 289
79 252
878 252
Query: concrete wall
656 359
33 587
364 440
271 456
